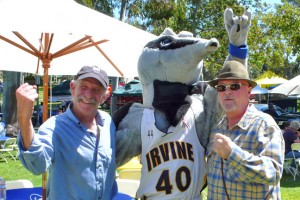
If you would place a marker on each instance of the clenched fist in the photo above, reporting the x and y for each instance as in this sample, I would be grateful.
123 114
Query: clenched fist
222 145
26 95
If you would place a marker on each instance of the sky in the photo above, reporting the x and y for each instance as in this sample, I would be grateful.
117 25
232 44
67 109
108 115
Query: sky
273 1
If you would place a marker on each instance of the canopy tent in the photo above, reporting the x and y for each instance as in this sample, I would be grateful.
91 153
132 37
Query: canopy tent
133 88
291 87
61 89
259 90
269 79
61 92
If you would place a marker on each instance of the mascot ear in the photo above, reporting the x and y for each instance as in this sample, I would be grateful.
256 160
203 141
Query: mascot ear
119 114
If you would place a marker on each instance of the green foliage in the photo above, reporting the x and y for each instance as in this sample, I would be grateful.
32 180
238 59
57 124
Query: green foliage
203 18
104 6
273 40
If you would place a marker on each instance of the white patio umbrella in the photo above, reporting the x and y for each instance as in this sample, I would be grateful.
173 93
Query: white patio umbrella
55 32
48 37
291 87
66 22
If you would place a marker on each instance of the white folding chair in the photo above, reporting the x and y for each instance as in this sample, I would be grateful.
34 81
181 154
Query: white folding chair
7 149
15 148
128 186
296 147
287 166
15 184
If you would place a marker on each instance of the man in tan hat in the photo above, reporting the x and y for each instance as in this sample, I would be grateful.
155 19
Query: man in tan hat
77 147
246 150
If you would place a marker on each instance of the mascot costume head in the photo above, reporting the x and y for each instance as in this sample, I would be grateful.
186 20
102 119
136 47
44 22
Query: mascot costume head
168 68
170 129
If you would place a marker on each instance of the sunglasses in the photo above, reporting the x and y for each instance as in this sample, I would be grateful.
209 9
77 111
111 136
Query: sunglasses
233 86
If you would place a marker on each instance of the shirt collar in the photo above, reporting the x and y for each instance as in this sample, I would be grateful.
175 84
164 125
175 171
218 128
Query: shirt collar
244 122
99 118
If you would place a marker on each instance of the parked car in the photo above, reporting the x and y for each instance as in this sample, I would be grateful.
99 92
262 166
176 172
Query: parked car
278 113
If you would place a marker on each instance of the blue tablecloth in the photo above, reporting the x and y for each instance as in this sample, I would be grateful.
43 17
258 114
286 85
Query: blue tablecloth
36 194
24 194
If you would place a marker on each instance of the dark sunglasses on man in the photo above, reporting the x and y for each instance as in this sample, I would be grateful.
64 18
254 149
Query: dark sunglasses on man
233 86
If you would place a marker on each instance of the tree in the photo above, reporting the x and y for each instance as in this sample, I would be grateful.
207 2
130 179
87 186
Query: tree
11 81
203 18
104 6
275 39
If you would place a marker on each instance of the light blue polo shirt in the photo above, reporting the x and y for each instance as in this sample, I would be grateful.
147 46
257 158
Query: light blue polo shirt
66 148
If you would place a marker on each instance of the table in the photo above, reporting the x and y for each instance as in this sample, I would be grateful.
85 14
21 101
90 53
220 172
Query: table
24 194
36 194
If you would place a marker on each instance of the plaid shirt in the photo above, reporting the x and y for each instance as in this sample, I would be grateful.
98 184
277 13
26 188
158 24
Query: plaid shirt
254 168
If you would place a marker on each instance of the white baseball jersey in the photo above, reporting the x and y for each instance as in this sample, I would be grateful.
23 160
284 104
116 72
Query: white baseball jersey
173 163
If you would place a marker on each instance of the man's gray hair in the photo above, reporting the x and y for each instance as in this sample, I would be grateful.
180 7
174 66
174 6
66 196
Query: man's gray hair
295 125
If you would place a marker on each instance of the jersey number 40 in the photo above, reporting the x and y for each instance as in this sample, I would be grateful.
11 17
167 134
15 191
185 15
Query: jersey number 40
164 184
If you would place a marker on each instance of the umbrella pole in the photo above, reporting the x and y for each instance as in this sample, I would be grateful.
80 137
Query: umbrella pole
46 65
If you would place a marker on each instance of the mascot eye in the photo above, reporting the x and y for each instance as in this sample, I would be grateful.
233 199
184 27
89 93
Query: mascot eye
166 42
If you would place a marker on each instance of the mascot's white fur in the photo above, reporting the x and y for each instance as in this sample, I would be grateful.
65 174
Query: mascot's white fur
170 130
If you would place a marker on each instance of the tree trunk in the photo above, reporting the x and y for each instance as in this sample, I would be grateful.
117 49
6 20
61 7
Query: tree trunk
123 10
11 81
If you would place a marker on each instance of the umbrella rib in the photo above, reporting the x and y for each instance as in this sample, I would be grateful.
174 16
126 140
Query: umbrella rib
73 48
49 42
66 49
107 58
41 46
26 42
18 45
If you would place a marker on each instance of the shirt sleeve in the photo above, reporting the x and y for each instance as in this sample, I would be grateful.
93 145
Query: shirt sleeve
264 166
291 137
37 158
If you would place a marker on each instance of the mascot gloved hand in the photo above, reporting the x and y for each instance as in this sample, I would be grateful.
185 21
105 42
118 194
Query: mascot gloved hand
170 129
237 28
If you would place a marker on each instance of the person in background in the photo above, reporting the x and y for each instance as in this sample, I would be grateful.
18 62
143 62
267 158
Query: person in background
41 113
272 111
285 126
77 147
245 153
291 136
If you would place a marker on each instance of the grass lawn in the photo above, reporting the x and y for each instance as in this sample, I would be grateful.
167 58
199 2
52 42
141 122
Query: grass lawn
290 189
